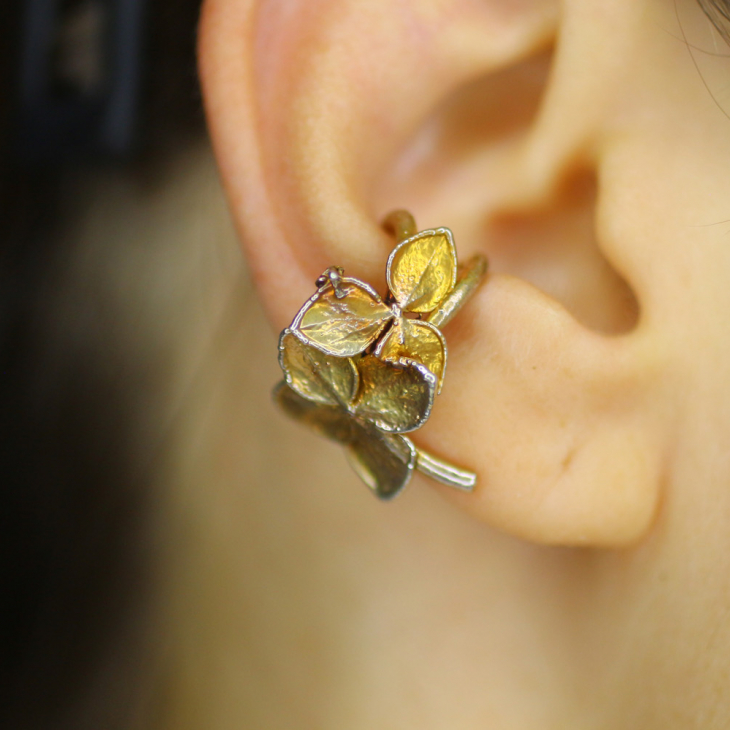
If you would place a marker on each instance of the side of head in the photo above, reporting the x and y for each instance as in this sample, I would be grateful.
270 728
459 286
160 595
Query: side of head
579 146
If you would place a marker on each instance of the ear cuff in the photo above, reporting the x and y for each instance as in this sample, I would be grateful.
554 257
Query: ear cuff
363 370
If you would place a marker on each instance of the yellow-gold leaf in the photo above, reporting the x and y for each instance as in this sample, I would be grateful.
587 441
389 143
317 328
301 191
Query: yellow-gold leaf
329 421
412 339
343 325
397 399
385 462
422 270
318 377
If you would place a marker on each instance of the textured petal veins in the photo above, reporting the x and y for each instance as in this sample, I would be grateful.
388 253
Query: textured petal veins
343 326
422 270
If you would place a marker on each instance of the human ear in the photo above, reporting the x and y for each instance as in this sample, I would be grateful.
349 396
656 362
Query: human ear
497 120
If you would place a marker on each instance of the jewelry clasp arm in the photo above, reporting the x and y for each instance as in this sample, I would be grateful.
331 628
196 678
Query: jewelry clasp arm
444 472
466 286
401 224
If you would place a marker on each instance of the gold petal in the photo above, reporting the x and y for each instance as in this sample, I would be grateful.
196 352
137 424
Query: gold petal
315 376
342 325
328 421
422 270
383 461
412 339
396 399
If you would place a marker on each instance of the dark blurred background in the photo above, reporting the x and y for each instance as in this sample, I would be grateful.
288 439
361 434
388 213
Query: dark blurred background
84 85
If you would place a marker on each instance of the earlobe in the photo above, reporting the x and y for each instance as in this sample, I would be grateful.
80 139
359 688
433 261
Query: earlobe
311 111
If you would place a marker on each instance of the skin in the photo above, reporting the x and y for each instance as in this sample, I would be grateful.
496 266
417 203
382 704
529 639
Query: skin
586 582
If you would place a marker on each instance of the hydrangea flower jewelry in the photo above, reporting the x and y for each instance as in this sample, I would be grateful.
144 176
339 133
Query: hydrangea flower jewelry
364 370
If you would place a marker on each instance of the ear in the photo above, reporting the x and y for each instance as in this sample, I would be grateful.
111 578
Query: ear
325 114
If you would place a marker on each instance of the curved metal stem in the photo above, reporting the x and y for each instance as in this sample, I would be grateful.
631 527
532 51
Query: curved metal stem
401 224
474 272
444 472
